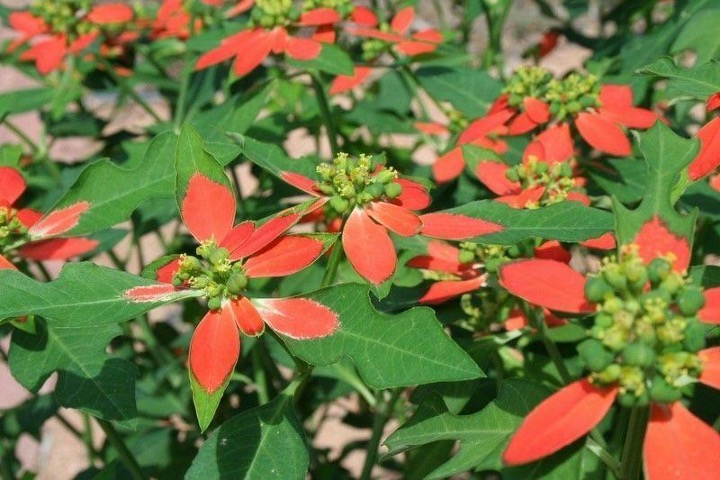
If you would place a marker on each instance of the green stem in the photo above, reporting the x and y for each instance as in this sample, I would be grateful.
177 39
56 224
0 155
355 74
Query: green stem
632 450
325 114
6 472
604 456
119 264
382 414
333 263
127 89
87 437
260 376
182 95
21 135
555 355
126 456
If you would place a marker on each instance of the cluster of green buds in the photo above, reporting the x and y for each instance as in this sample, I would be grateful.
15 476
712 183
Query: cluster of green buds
492 256
558 179
372 48
12 231
527 82
646 334
486 307
64 16
213 273
351 181
273 13
572 95
458 120
343 7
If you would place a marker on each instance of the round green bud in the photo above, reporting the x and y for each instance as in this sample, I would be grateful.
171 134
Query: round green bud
632 306
638 354
614 277
694 340
597 289
492 265
594 355
627 400
588 101
554 108
542 168
339 204
236 283
512 175
610 374
375 189
214 303
661 391
385 176
672 283
218 256
574 107
393 190
613 305
176 281
466 256
658 270
690 300
655 296
513 251
637 275
603 320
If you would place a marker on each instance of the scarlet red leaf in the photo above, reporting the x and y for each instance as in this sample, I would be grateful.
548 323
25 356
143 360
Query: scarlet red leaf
492 174
214 349
525 199
264 235
444 290
678 445
364 16
616 95
237 236
166 273
344 83
606 241
713 102
397 219
603 134
301 182
710 313
450 226
208 209
5 264
59 221
48 54
655 240
58 248
552 250
254 50
521 124
245 316
708 158
411 48
413 197
302 48
449 166
285 256
547 283
368 247
319 16
711 367
441 257
402 20
631 117
228 48
557 144
12 185
298 318
151 293
558 421
537 110
110 13
485 125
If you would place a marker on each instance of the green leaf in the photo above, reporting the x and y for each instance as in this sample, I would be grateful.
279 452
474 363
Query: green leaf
482 435
332 59
206 404
388 350
564 221
701 36
114 191
667 156
19 101
469 90
265 442
191 158
273 158
698 82
625 179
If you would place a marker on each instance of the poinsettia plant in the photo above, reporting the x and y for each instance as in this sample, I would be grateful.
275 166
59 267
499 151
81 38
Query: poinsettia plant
341 239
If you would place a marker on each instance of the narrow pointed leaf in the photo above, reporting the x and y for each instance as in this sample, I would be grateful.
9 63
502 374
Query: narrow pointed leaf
284 256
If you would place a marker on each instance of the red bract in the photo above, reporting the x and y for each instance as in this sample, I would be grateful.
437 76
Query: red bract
208 210
252 45
111 13
29 231
173 20
708 159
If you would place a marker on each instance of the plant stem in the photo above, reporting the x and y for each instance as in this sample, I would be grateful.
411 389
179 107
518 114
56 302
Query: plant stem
604 456
333 263
382 414
21 135
632 450
325 113
260 376
87 437
126 456
182 95
127 89
538 319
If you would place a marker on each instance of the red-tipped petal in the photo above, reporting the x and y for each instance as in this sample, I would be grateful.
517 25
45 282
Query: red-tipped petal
412 48
325 34
298 318
238 235
319 16
680 446
616 95
345 83
655 240
431 128
12 185
48 54
631 117
245 316
558 421
441 257
450 226
302 48
364 16
254 51
402 20
414 196
449 166
59 221
485 125
228 48
284 256
552 250
521 124
708 158
151 293
58 248
606 241
166 273
537 110
603 134
546 283
208 209
525 199
5 264
368 247
110 13
445 290
301 182
27 23
557 143
397 219
264 235
710 313
242 7
214 349
713 102
492 174
711 367
374 33
430 35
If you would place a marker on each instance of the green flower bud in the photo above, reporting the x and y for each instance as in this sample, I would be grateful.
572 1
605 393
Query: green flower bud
513 251
339 204
637 275
613 305
218 256
672 283
574 107
615 278
236 283
386 175
603 320
594 355
690 300
376 190
658 270
512 175
597 289
176 282
638 354
393 190
214 303
694 340
610 374
466 256
661 391
492 265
